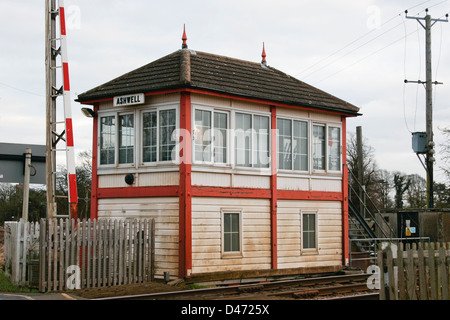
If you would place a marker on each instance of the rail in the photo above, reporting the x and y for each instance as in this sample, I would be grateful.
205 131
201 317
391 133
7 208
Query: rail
294 289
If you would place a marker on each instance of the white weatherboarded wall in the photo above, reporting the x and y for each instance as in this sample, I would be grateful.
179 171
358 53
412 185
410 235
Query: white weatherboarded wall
165 212
207 253
329 234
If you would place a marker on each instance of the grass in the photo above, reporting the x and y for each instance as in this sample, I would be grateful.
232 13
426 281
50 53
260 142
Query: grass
7 286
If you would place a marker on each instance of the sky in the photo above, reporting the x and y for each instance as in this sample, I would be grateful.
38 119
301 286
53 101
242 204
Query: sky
360 51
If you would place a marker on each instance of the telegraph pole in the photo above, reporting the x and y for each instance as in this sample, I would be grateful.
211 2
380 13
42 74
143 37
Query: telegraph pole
50 76
429 22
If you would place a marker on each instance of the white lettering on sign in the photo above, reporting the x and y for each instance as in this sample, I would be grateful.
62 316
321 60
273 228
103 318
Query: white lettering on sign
129 100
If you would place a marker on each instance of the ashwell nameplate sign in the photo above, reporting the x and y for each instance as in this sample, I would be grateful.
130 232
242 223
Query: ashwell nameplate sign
129 100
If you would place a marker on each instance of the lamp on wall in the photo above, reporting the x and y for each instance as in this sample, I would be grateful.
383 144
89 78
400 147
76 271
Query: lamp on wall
89 113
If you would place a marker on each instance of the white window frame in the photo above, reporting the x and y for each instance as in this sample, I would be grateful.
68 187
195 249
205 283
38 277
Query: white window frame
309 148
231 254
157 109
314 250
253 150
212 111
133 163
116 163
327 127
99 136
138 135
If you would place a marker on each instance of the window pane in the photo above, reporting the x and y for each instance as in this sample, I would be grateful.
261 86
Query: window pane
261 143
284 144
220 137
167 124
149 143
107 139
309 231
231 236
202 135
243 139
318 147
300 145
126 138
334 149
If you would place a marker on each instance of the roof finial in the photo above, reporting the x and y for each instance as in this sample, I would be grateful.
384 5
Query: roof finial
263 55
184 38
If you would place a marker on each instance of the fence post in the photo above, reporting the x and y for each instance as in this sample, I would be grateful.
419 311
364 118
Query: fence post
42 255
432 268
443 271
380 260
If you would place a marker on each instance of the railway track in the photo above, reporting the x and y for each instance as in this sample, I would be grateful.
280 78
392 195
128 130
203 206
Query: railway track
326 287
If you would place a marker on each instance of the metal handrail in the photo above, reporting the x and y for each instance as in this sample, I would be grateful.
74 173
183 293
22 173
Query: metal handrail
391 231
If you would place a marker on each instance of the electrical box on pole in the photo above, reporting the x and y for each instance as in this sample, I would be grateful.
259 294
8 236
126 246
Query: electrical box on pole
429 146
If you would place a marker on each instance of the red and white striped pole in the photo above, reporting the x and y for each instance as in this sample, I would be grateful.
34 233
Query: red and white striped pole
70 153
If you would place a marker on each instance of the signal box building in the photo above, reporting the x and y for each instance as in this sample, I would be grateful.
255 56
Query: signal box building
242 166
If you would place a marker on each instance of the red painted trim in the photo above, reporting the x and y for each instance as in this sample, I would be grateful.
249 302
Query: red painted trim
230 96
185 189
309 195
66 76
219 192
62 20
345 224
137 192
274 191
94 183
205 191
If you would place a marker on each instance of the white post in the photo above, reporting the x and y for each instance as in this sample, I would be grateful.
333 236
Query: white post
26 185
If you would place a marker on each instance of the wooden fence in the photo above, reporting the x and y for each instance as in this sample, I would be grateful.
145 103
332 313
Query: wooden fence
21 243
415 272
93 253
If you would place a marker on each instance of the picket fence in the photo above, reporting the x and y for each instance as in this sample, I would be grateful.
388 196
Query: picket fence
62 254
95 253
21 244
415 272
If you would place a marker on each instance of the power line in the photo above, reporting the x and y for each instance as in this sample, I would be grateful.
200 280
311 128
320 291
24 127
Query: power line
22 90
356 40
367 56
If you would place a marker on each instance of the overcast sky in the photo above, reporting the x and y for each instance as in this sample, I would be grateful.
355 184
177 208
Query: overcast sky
360 51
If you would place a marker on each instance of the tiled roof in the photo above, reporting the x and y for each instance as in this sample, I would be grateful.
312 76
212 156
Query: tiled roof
198 70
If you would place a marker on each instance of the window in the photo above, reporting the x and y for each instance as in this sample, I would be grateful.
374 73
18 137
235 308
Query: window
210 136
231 232
252 141
318 147
292 144
150 136
157 129
126 138
118 138
309 230
107 140
167 125
334 149
220 137
202 136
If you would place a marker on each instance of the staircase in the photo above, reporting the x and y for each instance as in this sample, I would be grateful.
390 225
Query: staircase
366 225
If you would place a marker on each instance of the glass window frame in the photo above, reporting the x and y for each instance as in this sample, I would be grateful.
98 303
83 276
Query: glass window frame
327 128
175 149
307 249
233 253
253 135
212 154
292 137
114 140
